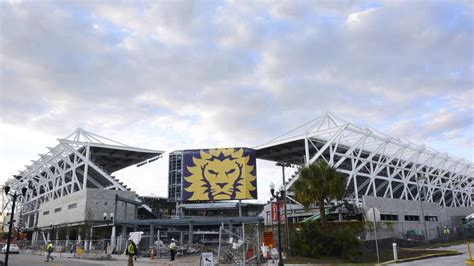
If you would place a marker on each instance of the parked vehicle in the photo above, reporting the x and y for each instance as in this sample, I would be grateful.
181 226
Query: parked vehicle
13 249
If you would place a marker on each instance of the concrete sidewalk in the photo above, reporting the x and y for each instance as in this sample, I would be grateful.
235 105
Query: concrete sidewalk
117 259
122 259
39 260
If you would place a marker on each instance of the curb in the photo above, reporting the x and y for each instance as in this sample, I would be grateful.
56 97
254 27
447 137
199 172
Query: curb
445 254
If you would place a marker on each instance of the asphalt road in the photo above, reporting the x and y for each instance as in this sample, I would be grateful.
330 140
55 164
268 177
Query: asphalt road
442 261
25 259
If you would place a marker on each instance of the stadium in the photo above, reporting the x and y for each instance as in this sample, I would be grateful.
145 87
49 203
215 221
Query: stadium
73 185
389 173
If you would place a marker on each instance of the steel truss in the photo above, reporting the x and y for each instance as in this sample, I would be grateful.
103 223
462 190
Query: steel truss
70 167
380 165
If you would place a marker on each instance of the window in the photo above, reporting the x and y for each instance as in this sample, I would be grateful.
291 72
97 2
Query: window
412 218
388 217
46 213
72 206
57 210
431 218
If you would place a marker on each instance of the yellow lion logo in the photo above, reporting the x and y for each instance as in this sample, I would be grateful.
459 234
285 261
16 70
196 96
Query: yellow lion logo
221 174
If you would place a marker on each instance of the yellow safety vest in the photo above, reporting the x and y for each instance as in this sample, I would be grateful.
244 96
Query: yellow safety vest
173 246
131 249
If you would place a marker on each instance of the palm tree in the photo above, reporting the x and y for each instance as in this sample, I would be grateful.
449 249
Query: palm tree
319 182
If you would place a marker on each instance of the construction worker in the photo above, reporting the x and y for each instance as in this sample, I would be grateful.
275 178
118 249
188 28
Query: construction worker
131 251
446 232
49 249
172 249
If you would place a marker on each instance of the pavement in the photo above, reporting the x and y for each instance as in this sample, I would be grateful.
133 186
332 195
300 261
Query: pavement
442 261
65 259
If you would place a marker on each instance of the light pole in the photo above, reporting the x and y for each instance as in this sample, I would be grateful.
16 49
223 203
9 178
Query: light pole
420 188
283 165
14 195
279 195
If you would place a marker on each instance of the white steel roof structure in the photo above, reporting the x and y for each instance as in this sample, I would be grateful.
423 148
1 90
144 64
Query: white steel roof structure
376 164
81 160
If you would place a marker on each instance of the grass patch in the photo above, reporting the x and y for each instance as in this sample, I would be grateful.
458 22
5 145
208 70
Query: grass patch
387 254
369 258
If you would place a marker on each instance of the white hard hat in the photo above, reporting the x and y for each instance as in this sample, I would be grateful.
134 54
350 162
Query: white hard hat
172 239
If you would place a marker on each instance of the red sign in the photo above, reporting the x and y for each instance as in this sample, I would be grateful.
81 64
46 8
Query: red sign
267 238
275 205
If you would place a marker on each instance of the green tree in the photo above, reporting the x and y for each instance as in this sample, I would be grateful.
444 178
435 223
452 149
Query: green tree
317 183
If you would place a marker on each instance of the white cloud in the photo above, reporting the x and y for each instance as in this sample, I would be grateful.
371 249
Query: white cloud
175 75
361 17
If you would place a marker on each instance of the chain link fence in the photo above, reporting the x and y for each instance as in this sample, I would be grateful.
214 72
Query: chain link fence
406 235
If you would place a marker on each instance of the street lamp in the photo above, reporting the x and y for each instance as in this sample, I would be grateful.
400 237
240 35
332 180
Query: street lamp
283 165
111 217
279 195
14 195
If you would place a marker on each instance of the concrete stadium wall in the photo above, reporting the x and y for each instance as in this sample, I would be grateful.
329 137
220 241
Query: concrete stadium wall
72 208
100 201
63 214
446 216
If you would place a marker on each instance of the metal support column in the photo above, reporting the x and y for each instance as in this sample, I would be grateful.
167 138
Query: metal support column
243 244
152 235
190 234
240 208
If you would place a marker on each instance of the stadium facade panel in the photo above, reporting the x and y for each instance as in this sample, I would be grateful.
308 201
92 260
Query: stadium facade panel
376 164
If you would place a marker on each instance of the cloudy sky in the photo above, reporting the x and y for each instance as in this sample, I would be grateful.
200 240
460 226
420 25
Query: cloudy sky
173 75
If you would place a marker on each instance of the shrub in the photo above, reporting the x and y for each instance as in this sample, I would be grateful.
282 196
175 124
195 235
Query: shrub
311 239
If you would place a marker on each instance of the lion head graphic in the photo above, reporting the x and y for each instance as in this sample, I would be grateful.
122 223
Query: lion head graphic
221 174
